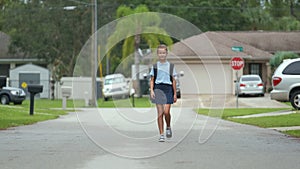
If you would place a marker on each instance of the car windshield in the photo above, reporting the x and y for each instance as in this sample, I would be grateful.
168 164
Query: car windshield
113 80
248 79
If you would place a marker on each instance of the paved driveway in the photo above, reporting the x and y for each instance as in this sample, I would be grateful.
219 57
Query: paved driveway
127 138
228 101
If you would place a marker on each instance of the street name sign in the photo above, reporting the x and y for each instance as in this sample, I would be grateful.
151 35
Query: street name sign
237 48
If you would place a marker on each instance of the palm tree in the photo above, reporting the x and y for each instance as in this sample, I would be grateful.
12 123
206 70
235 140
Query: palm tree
133 26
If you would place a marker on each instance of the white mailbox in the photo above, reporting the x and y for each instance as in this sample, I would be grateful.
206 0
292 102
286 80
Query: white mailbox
66 91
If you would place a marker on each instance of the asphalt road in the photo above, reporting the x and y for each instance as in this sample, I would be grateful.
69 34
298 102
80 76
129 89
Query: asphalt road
128 138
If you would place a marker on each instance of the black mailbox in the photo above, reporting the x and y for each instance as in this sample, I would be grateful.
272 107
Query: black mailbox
33 89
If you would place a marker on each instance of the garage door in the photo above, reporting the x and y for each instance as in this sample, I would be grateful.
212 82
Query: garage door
210 78
29 78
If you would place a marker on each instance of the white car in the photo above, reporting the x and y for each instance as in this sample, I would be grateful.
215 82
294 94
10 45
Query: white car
251 85
286 82
115 85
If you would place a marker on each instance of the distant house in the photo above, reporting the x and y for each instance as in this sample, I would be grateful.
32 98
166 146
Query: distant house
28 74
9 61
205 58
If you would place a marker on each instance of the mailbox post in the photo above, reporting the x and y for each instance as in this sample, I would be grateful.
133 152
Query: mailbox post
33 89
66 93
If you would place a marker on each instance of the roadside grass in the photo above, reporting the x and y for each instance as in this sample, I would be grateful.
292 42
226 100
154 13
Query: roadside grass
265 122
138 102
227 113
295 133
46 109
112 103
12 116
46 104
271 121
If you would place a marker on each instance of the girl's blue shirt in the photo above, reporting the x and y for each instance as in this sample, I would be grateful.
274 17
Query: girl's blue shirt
163 71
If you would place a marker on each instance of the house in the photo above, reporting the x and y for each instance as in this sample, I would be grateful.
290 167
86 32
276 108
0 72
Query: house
205 58
28 74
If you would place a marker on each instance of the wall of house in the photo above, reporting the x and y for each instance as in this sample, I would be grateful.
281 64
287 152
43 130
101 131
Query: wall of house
205 77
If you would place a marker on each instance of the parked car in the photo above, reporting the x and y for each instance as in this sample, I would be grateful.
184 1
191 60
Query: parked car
286 82
12 94
250 85
115 85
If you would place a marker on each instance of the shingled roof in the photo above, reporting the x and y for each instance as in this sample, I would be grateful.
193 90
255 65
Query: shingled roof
268 41
4 48
216 45
257 45
4 41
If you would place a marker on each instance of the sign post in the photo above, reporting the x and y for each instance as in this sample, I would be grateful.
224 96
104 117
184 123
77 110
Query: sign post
236 64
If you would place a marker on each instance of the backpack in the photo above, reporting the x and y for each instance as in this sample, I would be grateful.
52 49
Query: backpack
170 71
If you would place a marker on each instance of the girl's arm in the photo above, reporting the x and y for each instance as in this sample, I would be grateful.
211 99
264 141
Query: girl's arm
152 95
174 89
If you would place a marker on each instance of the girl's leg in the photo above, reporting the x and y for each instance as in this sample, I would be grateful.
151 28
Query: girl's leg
167 114
160 121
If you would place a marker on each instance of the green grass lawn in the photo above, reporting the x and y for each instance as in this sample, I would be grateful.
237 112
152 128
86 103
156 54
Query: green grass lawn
271 121
138 102
227 113
266 122
45 109
11 116
295 133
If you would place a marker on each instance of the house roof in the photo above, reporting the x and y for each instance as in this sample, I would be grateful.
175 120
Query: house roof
6 57
215 45
256 45
4 40
268 41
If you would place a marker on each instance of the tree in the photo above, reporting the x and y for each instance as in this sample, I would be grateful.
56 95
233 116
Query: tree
48 31
135 29
279 57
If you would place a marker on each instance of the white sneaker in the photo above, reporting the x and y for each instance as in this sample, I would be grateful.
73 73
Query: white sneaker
169 132
161 138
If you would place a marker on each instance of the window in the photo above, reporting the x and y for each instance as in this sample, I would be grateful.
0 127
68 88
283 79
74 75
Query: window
247 79
255 69
292 69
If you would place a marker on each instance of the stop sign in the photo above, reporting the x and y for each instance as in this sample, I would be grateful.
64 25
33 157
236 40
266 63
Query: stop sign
237 63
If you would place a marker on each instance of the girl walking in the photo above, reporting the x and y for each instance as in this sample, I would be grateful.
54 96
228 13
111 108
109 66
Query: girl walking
163 90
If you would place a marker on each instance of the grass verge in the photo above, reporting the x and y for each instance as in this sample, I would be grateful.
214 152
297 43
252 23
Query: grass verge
45 109
12 116
295 133
227 113
266 122
271 121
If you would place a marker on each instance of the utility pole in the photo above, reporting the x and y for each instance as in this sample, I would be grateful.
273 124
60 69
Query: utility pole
94 53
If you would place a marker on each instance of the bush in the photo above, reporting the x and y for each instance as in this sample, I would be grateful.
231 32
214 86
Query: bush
277 59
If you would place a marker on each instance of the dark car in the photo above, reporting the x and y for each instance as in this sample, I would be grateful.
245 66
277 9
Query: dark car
12 94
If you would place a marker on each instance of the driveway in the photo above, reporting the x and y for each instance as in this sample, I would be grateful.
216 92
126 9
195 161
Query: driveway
228 101
127 138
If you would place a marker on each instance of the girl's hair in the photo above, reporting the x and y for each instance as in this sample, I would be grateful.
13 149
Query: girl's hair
162 46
